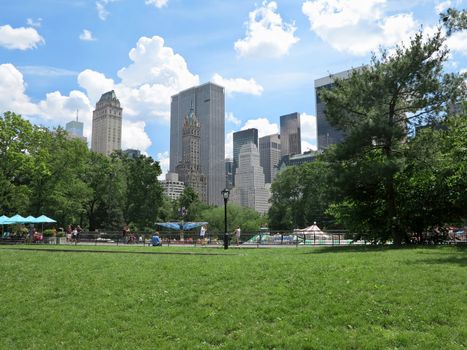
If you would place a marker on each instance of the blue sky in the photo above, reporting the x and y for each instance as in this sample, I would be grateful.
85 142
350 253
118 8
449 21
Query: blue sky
57 56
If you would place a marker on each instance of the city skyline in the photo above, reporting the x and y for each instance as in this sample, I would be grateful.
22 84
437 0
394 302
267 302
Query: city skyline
58 57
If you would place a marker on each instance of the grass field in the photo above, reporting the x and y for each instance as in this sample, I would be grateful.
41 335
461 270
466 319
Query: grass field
306 298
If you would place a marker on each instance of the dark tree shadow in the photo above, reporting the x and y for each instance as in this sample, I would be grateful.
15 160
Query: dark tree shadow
376 248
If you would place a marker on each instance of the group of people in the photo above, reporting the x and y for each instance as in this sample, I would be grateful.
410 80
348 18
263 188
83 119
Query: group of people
237 233
73 232
33 235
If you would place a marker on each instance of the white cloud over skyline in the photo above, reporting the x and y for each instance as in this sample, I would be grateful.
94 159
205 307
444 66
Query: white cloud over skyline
19 38
267 35
238 85
348 26
229 117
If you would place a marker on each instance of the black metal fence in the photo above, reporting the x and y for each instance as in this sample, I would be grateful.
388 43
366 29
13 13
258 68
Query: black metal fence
192 238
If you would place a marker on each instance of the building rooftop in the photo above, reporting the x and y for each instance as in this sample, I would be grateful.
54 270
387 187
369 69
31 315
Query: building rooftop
108 96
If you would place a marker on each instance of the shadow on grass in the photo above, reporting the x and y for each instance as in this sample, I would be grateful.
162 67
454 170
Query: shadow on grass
114 251
381 248
449 260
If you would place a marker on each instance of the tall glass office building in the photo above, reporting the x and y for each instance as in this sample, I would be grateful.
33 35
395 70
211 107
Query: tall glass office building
208 102
291 141
327 135
270 155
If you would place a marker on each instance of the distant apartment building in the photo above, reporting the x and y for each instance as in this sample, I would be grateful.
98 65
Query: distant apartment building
270 155
107 124
173 188
298 159
241 138
250 189
208 103
290 134
132 153
327 135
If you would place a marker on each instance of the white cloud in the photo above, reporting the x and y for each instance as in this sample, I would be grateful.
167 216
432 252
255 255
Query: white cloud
229 145
349 26
58 109
442 6
229 117
238 85
266 35
157 3
154 63
19 38
46 71
12 91
34 23
144 90
101 8
164 161
134 136
55 109
264 126
147 84
308 131
86 35
95 84
457 42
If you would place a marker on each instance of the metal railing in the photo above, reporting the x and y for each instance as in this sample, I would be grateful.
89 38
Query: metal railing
258 239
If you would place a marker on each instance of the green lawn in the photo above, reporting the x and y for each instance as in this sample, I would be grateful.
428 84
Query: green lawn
305 298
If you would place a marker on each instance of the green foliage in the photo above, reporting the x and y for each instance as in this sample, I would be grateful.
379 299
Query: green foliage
454 20
245 218
143 191
300 196
377 107
43 172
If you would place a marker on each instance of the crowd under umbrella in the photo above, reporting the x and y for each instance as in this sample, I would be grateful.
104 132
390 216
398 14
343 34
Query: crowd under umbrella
18 219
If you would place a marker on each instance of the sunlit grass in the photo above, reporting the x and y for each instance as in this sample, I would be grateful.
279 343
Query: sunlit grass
242 298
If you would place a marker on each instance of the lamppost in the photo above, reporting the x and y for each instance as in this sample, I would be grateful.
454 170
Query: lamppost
225 193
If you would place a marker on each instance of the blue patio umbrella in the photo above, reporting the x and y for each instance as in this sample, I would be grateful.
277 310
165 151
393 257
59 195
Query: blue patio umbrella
15 219
30 219
44 219
4 220
181 226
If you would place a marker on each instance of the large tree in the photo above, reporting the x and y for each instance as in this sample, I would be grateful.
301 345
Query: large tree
378 108
300 196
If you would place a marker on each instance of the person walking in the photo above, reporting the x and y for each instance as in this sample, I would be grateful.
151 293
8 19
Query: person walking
238 232
202 234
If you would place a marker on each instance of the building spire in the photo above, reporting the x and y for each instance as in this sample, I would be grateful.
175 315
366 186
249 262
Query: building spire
76 114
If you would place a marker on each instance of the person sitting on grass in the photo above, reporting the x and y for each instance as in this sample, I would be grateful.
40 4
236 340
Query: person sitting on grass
155 240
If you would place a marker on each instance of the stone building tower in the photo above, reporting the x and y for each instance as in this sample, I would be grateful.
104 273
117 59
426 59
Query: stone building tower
189 169
107 124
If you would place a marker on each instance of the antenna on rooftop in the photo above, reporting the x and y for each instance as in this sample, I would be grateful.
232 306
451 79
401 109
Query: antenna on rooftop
76 114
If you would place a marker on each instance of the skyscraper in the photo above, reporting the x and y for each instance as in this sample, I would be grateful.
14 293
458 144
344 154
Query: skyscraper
290 134
327 135
241 138
107 124
208 102
250 190
75 127
189 169
270 155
